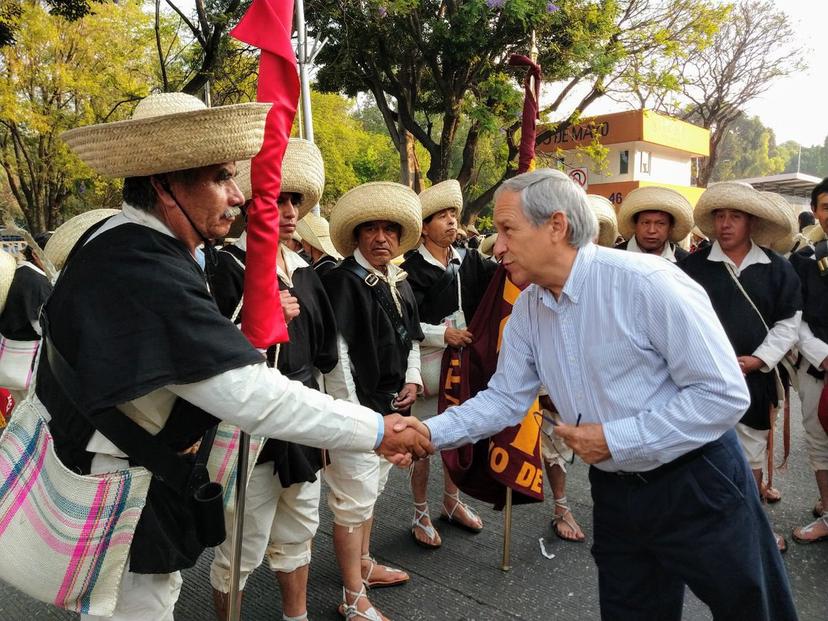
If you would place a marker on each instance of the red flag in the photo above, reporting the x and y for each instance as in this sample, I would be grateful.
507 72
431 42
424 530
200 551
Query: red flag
531 103
267 25
512 457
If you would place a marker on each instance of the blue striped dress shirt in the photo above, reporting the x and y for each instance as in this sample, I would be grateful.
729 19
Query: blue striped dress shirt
632 343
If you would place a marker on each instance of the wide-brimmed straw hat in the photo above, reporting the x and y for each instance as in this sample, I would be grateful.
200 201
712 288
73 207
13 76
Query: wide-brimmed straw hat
654 198
379 200
62 241
786 242
814 233
444 195
303 172
770 221
607 220
316 231
487 245
7 267
169 132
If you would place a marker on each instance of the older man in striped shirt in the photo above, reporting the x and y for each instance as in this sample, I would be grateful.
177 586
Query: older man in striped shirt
649 390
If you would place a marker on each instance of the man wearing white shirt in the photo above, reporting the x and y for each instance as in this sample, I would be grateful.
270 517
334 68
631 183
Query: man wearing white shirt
629 347
757 297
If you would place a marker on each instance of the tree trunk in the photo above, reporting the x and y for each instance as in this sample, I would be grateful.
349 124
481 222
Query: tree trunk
410 173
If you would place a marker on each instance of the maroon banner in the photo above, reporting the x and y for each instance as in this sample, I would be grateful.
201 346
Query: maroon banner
512 457
531 111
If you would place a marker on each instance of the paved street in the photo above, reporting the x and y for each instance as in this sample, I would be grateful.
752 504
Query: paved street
463 580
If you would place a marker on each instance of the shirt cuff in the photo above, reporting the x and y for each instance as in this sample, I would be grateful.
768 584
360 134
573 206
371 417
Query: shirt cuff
413 376
624 440
380 431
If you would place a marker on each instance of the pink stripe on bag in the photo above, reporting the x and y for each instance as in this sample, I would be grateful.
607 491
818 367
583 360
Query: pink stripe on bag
23 492
228 455
83 543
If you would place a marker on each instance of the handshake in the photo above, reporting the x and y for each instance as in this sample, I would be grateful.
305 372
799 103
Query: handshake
405 439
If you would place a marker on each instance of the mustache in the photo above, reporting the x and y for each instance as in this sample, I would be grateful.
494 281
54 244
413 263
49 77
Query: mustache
231 212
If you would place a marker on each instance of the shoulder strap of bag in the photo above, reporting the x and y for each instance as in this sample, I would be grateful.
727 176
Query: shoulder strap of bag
142 447
382 298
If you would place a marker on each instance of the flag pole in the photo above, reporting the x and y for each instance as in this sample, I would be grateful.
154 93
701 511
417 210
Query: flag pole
234 603
505 564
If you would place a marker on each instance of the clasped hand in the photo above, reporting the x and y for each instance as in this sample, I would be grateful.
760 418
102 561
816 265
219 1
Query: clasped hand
405 439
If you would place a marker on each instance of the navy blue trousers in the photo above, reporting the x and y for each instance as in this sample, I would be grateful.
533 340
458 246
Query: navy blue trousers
700 524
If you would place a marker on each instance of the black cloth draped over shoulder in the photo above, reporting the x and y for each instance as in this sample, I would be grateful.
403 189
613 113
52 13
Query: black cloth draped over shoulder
775 290
131 313
28 293
433 306
378 359
312 346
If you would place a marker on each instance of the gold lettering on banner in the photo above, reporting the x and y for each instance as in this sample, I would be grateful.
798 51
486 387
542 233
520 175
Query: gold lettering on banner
528 434
499 459
531 477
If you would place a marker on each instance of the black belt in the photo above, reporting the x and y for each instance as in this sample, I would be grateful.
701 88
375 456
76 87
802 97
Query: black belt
650 476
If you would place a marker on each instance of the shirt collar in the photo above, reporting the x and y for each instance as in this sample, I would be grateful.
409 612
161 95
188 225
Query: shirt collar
429 258
241 242
754 256
143 217
577 276
292 262
393 270
668 252
31 266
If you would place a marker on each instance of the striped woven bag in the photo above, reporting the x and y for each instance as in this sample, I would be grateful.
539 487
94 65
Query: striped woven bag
64 537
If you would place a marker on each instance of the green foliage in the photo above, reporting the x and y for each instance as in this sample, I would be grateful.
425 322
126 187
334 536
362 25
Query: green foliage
749 149
814 159
62 74
352 154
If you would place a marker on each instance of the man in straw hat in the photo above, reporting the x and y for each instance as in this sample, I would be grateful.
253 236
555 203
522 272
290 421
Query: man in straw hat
448 287
316 240
379 359
653 220
282 504
757 297
138 352
653 381
812 268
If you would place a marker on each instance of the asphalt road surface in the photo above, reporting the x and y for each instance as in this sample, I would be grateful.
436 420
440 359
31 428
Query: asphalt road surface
463 579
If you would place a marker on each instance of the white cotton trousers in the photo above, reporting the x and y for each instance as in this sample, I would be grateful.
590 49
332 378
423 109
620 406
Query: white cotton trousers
810 390
279 523
754 443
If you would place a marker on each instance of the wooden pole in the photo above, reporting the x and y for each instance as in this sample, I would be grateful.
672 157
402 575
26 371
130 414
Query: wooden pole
233 601
507 531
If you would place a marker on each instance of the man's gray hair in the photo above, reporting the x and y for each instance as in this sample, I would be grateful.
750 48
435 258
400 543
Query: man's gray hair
546 191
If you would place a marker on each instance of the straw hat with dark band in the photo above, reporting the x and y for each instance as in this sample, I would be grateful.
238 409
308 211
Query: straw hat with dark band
440 196
170 132
653 198
62 241
316 231
770 221
380 200
7 267
303 172
607 221
487 246
785 243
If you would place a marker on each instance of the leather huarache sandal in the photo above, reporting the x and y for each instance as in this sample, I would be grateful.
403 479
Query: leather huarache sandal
805 534
350 611
566 518
771 494
434 540
384 576
449 517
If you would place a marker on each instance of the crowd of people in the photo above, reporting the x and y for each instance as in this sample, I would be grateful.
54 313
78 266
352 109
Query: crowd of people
663 340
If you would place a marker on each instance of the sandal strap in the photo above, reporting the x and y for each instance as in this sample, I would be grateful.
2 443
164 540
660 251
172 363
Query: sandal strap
351 611
417 522
458 503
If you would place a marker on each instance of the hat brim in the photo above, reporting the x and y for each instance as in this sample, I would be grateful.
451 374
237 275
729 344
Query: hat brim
607 220
380 200
319 241
770 222
171 142
654 198
7 268
62 241
441 196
